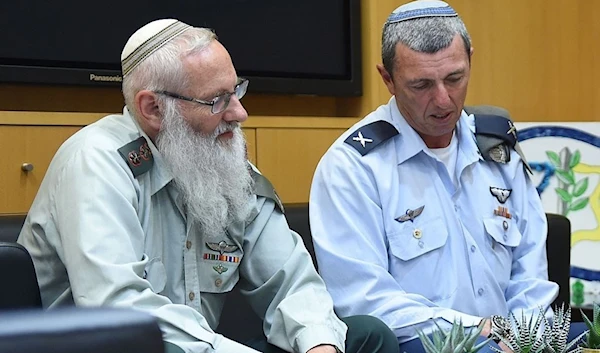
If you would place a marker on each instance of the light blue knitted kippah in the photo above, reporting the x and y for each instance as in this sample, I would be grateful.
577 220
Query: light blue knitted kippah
421 8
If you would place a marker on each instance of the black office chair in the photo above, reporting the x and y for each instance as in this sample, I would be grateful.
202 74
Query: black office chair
78 330
10 227
19 282
558 250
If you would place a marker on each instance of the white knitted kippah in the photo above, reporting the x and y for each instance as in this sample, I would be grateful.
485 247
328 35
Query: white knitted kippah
421 8
147 40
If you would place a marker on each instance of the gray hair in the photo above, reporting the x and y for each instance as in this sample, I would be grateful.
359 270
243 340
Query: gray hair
424 35
164 70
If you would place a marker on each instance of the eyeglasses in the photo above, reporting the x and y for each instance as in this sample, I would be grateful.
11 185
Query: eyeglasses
220 102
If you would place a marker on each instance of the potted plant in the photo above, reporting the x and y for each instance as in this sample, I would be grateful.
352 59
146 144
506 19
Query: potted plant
525 335
591 344
457 340
556 334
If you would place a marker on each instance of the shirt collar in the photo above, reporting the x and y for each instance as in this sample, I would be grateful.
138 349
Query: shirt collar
410 142
159 175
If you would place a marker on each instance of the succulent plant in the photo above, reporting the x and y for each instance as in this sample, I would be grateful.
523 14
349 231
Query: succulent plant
457 340
557 333
592 339
525 335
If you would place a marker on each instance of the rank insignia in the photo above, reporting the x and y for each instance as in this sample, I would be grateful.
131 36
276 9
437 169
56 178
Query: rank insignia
222 247
410 215
512 129
500 194
502 212
361 139
220 268
368 137
138 156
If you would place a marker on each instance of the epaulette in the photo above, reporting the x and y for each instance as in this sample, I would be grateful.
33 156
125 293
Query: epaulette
369 136
495 136
264 188
138 156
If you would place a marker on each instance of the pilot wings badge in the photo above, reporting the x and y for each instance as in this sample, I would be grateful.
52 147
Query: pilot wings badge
222 247
410 215
500 194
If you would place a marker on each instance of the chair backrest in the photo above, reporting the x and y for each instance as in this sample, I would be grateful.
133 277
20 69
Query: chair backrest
76 330
10 227
558 250
19 281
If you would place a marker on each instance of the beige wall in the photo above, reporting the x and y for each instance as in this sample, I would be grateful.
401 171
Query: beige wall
537 58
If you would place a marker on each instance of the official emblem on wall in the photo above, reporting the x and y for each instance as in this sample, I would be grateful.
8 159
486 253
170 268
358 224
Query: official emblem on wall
565 158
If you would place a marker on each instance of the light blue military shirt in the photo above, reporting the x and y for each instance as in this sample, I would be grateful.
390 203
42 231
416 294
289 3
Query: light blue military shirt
476 249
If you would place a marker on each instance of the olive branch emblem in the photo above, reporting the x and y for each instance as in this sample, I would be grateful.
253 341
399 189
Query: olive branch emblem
570 189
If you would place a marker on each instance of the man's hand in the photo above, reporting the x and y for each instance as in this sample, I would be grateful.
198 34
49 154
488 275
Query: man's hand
487 328
322 349
504 348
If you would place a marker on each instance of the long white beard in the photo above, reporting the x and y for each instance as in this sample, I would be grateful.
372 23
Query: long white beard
212 175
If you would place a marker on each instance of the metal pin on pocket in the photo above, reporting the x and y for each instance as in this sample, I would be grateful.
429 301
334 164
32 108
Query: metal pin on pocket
505 225
417 233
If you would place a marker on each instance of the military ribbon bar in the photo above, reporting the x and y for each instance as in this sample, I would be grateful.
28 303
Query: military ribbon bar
225 258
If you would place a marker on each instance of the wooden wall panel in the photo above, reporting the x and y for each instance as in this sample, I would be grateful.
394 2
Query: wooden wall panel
251 144
26 144
288 158
537 58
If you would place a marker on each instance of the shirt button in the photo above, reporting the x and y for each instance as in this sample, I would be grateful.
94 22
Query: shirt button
421 244
480 291
417 233
218 282
192 296
188 244
473 248
456 208
505 225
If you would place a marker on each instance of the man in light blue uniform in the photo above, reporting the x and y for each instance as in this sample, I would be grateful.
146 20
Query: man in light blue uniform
422 213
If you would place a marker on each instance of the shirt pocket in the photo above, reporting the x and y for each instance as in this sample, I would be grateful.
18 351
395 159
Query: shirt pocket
219 273
156 274
416 239
503 231
504 236
420 259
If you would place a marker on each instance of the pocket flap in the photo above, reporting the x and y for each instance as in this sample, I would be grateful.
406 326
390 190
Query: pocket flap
416 239
218 277
503 230
156 274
